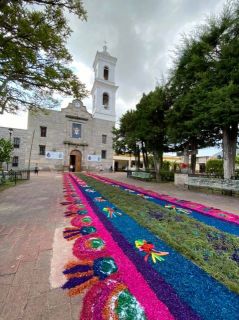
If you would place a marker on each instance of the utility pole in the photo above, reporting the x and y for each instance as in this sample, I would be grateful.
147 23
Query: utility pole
30 154
10 130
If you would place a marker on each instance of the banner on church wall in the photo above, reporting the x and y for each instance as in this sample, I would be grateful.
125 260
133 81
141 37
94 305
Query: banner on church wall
54 155
76 130
94 157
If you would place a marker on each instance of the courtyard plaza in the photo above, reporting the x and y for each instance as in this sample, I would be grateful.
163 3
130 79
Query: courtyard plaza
32 253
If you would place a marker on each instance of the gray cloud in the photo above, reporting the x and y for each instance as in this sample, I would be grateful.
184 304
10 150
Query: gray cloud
141 34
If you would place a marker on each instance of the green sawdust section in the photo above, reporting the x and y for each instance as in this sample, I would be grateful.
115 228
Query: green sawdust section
206 246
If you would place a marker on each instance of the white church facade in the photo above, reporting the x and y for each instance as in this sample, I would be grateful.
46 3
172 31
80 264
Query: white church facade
72 137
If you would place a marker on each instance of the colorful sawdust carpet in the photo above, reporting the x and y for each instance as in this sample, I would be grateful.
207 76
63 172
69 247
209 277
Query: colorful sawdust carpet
129 272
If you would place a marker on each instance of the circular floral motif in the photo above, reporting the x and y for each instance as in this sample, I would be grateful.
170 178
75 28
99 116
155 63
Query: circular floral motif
103 267
95 243
81 212
86 219
87 230
89 247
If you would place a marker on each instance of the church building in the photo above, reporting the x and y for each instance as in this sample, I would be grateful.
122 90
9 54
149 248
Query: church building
72 137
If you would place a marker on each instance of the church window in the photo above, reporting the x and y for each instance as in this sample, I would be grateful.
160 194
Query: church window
15 161
105 100
104 138
16 142
42 150
43 131
103 154
106 73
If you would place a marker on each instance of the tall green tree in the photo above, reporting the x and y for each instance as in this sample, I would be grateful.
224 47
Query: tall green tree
184 128
222 80
151 124
205 85
6 148
144 130
125 137
34 61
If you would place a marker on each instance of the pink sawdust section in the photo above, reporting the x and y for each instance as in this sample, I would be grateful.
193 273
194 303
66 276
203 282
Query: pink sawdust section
154 308
216 213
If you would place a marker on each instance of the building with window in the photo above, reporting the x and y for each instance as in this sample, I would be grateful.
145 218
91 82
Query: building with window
72 136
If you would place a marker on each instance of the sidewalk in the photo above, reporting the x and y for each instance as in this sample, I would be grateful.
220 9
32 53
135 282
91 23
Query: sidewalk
227 203
29 215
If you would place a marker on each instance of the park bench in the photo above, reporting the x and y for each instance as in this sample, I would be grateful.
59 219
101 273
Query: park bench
141 175
227 186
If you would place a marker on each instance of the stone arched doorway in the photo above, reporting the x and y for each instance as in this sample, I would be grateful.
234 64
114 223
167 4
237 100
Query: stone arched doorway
75 160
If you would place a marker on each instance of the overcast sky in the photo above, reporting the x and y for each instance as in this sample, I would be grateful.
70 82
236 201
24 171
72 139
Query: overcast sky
141 34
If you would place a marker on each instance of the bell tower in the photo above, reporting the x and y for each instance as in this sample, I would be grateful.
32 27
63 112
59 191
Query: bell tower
104 88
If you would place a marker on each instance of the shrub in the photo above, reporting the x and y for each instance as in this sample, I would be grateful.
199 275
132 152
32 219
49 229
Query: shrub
166 165
166 175
215 166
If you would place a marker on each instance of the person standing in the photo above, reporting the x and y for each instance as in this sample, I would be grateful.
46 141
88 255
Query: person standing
36 169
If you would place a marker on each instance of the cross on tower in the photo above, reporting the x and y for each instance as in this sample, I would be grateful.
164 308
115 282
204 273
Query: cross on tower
105 46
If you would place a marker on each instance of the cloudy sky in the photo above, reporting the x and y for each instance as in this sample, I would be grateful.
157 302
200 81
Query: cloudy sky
141 34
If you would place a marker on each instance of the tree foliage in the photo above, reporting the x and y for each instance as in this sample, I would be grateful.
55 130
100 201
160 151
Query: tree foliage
204 86
237 160
144 129
33 56
215 166
6 148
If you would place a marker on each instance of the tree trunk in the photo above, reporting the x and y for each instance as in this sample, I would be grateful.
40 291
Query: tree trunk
193 157
186 156
193 163
158 160
144 159
229 150
137 158
147 158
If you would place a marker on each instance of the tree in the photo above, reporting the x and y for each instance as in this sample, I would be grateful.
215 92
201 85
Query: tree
33 56
185 129
223 77
119 144
215 166
151 124
144 129
237 160
125 138
6 148
207 76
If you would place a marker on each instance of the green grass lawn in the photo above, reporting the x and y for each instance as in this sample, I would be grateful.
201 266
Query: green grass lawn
214 251
9 184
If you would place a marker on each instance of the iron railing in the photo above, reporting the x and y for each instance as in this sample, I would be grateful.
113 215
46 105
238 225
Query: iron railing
14 176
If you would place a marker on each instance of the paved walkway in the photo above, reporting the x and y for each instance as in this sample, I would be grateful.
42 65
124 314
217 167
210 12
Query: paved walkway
227 203
29 215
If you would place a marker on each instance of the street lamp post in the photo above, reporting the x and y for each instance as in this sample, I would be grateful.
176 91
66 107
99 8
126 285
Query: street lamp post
10 130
